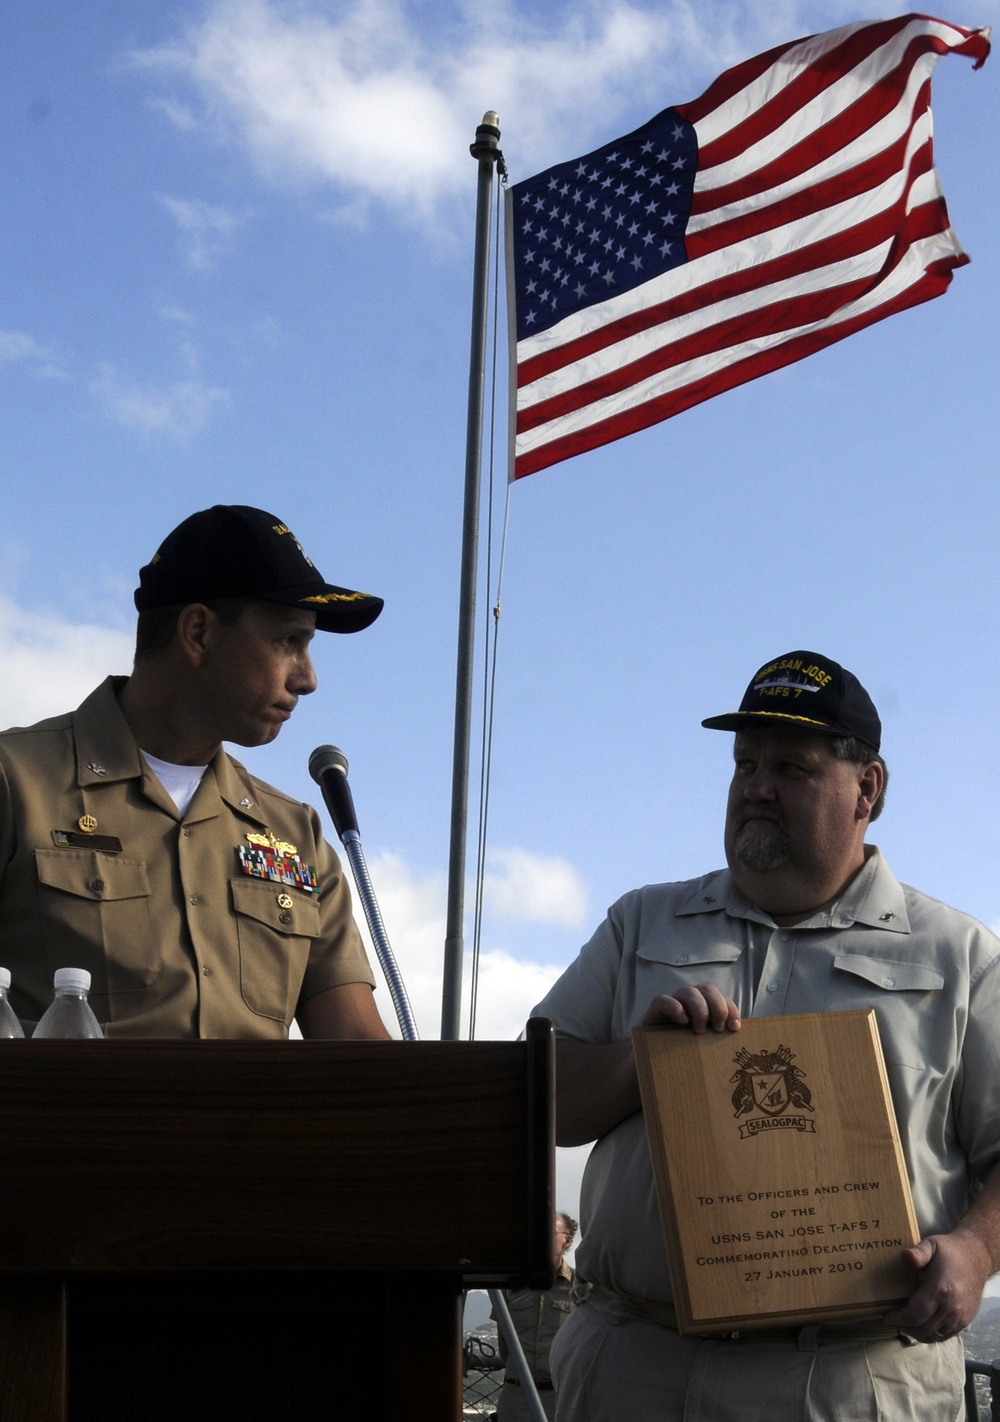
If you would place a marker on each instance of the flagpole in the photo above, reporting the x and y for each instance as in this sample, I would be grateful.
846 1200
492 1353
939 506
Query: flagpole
487 153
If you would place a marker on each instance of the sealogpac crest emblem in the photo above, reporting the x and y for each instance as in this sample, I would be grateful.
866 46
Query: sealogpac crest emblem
770 1090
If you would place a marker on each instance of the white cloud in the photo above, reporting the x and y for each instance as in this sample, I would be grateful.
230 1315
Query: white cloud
207 233
381 97
169 310
180 115
355 214
414 911
508 989
16 348
178 411
534 889
50 663
368 102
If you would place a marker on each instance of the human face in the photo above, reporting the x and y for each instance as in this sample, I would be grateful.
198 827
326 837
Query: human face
796 819
254 671
563 1239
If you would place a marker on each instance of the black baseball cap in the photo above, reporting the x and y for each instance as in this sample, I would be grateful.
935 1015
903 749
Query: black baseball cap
806 690
232 550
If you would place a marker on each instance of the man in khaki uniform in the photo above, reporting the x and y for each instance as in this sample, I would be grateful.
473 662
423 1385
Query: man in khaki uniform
204 902
537 1316
806 918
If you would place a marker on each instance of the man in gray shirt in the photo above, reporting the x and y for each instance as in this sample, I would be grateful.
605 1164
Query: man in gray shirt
807 918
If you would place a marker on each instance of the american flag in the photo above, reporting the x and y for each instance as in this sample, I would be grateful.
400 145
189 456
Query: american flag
794 203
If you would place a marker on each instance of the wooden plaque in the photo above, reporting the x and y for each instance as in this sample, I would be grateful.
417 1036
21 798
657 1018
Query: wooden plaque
779 1170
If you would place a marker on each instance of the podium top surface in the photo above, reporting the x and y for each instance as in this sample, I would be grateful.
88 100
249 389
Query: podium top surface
372 1156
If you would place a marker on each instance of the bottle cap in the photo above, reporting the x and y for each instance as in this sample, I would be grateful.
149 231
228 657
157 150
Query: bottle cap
4 979
72 979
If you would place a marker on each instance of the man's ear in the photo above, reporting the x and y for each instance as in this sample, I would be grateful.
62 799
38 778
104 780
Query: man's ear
871 783
195 628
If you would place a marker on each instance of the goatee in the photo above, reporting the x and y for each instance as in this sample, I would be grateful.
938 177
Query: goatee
761 845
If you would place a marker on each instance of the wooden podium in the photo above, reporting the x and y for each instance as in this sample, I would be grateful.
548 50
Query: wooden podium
262 1231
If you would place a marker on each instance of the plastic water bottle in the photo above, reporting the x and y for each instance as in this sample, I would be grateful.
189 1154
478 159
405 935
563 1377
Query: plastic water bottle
70 1014
9 1025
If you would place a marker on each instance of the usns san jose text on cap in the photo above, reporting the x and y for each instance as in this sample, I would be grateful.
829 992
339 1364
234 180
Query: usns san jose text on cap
233 550
806 690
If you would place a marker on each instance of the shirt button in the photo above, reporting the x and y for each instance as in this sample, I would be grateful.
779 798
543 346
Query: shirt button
285 916
888 982
772 987
206 972
186 833
97 885
682 958
194 898
783 937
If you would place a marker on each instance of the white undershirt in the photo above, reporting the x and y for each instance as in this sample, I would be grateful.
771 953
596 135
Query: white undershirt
179 781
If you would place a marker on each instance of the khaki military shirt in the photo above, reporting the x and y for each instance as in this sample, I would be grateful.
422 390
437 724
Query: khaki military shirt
932 975
537 1316
98 870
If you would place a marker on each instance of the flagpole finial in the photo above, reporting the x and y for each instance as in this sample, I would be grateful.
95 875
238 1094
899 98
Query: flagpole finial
487 136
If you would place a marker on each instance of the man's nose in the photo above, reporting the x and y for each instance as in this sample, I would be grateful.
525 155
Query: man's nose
759 785
303 680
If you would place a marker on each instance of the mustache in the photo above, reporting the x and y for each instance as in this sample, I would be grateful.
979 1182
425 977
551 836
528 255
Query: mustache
774 817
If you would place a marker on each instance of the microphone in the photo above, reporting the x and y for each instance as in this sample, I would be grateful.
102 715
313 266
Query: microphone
328 767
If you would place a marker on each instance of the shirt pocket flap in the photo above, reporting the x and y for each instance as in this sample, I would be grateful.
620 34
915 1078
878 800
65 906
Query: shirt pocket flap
259 900
91 875
684 955
893 976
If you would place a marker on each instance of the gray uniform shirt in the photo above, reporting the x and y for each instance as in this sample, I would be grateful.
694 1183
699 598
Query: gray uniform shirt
932 975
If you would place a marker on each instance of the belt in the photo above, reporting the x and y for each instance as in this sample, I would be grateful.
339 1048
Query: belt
539 1387
662 1313
665 1315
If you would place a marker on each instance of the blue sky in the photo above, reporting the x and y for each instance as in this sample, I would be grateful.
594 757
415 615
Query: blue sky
236 267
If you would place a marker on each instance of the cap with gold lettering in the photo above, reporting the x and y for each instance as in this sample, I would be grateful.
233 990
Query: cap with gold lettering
233 550
806 690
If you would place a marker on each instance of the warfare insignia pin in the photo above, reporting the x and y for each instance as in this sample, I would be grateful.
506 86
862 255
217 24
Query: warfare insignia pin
284 901
268 841
87 823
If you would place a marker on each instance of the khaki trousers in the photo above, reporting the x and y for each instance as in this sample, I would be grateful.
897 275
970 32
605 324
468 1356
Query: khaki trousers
608 1366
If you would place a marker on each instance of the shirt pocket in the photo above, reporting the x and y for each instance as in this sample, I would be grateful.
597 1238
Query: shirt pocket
95 913
901 994
274 943
666 966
